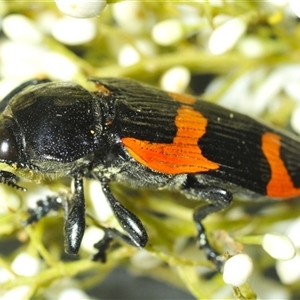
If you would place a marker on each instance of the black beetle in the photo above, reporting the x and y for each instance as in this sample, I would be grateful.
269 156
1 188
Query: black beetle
130 133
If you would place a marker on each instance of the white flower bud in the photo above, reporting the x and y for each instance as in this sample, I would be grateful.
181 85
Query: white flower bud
176 79
81 8
279 3
295 7
26 265
168 32
132 17
19 28
91 235
74 294
58 66
128 56
278 246
288 270
237 269
8 201
144 260
16 293
225 36
99 203
71 31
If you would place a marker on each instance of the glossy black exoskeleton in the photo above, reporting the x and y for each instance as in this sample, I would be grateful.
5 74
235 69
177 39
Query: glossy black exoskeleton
55 129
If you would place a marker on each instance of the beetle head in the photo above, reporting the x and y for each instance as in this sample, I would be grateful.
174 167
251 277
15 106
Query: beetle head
11 159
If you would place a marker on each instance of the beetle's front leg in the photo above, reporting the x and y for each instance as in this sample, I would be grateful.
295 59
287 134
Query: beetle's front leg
11 180
74 210
43 208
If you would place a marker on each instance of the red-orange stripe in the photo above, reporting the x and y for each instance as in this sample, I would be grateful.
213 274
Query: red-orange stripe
181 156
182 98
280 184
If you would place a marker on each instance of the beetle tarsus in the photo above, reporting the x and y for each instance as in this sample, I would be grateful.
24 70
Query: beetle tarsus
11 180
110 235
203 243
43 208
102 247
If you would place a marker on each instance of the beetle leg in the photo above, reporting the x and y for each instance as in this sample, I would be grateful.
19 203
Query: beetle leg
110 235
74 209
218 199
11 180
43 208
130 223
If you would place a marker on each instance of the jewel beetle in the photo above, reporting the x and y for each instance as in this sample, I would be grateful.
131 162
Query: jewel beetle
134 134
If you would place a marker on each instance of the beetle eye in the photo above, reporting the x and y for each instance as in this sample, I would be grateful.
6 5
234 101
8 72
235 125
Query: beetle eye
8 146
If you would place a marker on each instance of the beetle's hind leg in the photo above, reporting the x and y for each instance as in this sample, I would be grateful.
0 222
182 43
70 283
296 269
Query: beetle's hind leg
218 199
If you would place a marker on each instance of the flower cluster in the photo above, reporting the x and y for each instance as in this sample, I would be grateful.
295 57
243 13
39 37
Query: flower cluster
243 55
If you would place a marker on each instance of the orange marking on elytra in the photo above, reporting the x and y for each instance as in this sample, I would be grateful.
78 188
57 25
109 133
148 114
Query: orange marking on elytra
182 98
101 89
183 155
280 184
